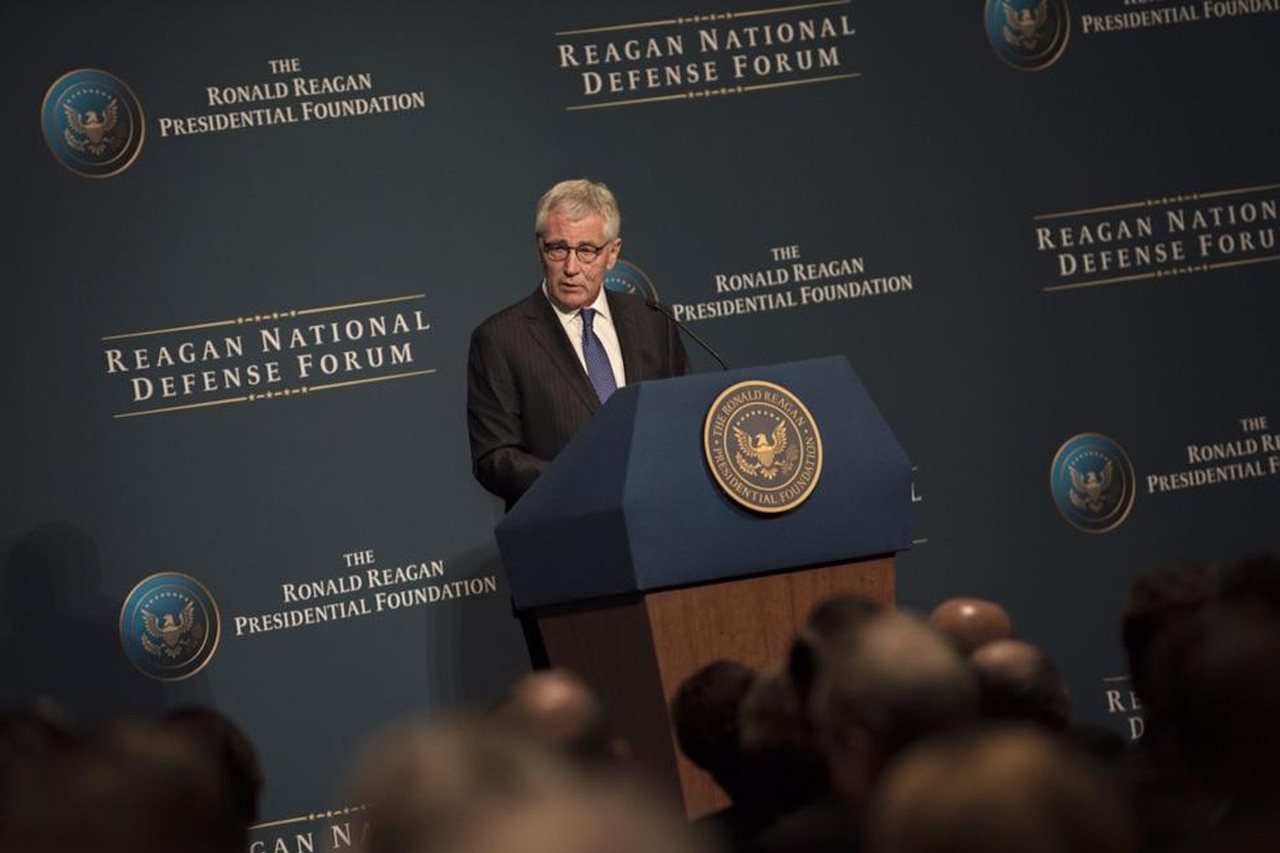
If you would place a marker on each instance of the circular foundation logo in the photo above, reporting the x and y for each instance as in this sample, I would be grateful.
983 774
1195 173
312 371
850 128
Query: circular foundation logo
629 278
763 446
1028 34
93 123
169 626
1092 482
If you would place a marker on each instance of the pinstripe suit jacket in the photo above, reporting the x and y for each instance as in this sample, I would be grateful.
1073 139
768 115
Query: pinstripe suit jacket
528 395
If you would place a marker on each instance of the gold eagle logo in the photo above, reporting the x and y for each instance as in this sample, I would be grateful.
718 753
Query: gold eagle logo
762 446
769 453
1022 26
90 132
1089 491
171 636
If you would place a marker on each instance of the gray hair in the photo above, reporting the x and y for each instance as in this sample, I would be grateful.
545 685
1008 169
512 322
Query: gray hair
578 199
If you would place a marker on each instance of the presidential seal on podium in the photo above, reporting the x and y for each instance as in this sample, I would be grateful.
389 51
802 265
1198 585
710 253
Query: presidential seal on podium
763 446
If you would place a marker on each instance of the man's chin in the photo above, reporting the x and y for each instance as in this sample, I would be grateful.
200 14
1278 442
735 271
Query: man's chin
569 298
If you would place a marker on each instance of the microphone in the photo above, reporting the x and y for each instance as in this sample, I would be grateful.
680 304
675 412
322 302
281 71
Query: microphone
663 310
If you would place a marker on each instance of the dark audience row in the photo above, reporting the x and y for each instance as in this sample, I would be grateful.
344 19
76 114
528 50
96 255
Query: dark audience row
879 730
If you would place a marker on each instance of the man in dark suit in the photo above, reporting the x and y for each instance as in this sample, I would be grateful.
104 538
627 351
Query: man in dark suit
538 370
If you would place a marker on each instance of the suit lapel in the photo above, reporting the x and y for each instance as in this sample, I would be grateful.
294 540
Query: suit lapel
545 328
624 323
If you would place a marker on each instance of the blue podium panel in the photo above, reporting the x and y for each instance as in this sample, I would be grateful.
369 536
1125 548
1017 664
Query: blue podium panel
631 504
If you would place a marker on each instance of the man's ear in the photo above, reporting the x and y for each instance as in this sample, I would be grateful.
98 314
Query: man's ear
614 251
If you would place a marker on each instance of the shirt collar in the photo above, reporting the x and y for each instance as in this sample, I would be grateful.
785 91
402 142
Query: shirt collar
601 305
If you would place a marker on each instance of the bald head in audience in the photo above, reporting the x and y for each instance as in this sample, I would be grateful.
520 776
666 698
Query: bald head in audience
999 792
1019 683
971 622
558 709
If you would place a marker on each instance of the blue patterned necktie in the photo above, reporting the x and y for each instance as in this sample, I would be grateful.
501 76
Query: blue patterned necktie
599 370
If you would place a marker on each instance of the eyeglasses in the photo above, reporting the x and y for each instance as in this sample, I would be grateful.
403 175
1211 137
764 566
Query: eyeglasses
586 253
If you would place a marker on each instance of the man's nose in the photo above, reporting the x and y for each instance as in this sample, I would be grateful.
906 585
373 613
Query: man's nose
571 263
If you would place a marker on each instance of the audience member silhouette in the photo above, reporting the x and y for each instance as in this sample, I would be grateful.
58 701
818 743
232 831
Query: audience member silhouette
778 743
33 732
894 682
426 783
1158 598
1019 683
1171 804
1013 791
835 618
890 681
603 817
1216 678
231 752
1255 578
704 713
559 710
132 788
866 724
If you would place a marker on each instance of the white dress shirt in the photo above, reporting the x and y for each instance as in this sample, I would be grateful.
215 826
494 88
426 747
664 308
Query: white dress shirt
602 325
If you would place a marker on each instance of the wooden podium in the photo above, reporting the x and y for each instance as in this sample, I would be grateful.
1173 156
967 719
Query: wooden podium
641 570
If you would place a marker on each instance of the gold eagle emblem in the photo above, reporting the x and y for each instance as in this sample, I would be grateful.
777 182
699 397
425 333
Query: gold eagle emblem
170 634
768 452
90 132
1089 490
1022 26
762 446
